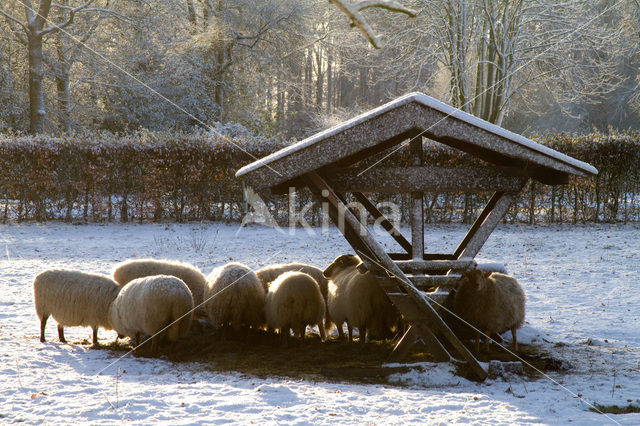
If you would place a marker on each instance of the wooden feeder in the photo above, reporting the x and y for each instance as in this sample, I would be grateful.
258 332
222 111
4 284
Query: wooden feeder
329 163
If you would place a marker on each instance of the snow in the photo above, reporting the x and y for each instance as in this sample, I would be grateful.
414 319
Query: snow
582 308
431 103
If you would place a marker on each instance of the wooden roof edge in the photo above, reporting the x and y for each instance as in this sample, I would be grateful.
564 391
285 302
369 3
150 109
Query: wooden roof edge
430 102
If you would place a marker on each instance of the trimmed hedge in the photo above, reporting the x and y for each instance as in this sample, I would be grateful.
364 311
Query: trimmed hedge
191 177
101 176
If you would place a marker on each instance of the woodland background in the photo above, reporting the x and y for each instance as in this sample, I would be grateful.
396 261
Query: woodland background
119 110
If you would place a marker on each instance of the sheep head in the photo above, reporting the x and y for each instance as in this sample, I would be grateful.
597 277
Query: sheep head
474 280
341 262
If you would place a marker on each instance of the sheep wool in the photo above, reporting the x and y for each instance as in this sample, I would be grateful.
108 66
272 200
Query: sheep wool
74 298
491 302
271 272
294 301
235 297
159 304
358 300
189 274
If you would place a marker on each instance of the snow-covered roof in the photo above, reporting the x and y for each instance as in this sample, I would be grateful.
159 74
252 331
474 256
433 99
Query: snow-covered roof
448 124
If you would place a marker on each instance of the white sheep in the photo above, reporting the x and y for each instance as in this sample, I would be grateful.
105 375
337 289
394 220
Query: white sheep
155 306
74 298
235 297
271 272
358 300
190 274
491 302
294 301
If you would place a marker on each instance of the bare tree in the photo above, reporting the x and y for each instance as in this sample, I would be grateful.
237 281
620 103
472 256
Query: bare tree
491 51
354 12
31 32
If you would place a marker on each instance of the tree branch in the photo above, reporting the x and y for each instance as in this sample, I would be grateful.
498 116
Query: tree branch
11 18
16 32
357 20
69 21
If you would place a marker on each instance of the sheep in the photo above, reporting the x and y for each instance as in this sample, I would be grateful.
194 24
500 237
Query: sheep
490 302
235 297
191 275
74 298
271 272
149 305
294 301
359 300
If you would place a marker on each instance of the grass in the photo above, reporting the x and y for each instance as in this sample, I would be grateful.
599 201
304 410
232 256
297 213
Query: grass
614 409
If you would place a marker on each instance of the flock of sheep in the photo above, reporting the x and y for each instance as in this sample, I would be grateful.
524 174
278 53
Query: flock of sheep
158 299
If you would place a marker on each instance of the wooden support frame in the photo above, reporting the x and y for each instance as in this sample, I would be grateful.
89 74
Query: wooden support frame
485 224
417 205
349 233
415 332
384 222
419 299
425 179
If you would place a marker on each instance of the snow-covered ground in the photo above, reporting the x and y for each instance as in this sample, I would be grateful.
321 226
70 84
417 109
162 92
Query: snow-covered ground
583 306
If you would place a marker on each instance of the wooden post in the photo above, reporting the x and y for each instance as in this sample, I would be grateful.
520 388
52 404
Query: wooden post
418 298
417 206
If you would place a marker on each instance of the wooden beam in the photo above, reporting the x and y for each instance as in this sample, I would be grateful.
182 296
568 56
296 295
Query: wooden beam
429 281
435 265
415 332
386 224
426 256
484 225
418 297
347 230
425 179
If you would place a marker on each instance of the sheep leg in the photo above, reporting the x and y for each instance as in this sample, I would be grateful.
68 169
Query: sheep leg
303 329
61 334
340 331
284 335
477 342
323 334
96 344
363 334
515 340
43 324
350 330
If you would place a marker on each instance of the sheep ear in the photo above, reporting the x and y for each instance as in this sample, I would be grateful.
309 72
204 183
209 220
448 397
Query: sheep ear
327 272
487 274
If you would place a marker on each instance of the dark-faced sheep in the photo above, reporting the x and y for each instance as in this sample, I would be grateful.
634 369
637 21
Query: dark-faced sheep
271 272
74 298
490 302
155 306
189 274
294 301
235 297
358 300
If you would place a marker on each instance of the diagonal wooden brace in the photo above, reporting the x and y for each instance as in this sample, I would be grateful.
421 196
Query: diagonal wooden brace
418 298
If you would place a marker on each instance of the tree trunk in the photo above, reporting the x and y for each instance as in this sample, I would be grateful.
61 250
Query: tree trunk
329 81
36 91
64 97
